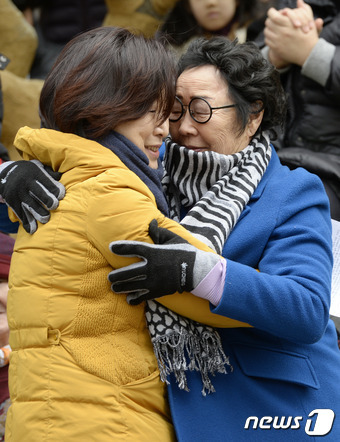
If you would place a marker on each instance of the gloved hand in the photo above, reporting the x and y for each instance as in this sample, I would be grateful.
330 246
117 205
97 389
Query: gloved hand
31 190
168 266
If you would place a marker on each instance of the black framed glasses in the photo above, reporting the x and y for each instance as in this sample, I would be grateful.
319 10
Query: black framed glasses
199 110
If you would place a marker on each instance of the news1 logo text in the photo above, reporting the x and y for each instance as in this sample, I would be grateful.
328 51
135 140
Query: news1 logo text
318 423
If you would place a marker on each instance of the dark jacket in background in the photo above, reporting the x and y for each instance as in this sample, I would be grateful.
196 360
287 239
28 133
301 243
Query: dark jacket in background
57 22
61 20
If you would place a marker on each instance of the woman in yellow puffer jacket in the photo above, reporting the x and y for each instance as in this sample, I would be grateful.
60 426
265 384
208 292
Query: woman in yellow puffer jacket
82 365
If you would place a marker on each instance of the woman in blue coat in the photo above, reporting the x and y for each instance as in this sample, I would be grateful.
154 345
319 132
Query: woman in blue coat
274 280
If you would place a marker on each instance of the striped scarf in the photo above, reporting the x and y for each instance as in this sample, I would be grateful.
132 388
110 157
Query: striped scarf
214 189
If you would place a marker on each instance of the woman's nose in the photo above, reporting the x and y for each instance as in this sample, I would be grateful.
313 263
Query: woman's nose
186 125
163 129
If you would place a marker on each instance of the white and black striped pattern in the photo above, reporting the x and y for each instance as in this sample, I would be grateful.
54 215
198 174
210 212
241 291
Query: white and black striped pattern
214 186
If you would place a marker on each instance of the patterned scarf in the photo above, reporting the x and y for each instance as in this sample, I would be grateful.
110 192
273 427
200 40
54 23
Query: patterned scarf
214 188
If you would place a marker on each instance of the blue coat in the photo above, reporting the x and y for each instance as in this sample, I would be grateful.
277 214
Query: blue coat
288 364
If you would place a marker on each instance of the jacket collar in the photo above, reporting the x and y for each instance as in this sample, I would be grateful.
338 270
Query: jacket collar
274 163
76 158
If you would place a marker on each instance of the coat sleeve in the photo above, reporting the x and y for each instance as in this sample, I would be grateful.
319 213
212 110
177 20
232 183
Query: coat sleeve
290 295
331 33
125 212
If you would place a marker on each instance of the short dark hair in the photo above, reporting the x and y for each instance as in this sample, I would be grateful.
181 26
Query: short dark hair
253 82
105 77
180 25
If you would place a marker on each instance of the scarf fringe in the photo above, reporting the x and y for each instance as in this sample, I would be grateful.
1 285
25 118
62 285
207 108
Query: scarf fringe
204 353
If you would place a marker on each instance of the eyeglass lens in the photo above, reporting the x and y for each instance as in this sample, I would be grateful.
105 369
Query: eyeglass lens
199 110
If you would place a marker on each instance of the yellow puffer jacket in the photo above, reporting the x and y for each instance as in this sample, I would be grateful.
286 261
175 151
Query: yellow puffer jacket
82 366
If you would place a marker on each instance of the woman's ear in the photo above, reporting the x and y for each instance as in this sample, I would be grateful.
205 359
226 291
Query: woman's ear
255 118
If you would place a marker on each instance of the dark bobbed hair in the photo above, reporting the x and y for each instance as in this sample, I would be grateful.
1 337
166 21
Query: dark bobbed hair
180 25
252 82
105 77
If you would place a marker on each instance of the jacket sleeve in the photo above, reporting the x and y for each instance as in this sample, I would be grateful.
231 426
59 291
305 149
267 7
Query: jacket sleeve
331 34
318 64
125 212
290 295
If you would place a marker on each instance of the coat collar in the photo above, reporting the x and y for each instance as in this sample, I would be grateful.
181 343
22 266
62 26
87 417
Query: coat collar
272 167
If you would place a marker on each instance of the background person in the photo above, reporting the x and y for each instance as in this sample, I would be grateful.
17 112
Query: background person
310 66
190 19
56 23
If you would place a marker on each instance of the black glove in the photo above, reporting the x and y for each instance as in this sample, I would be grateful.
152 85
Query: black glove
31 191
172 265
